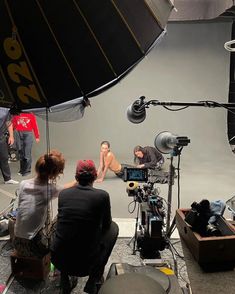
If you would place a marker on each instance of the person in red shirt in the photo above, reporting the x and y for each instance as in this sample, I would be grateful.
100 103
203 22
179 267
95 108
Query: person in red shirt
25 127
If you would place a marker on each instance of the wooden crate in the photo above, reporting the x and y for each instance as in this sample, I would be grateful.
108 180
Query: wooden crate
30 267
212 253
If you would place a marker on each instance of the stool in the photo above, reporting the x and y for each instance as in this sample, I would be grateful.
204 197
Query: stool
30 267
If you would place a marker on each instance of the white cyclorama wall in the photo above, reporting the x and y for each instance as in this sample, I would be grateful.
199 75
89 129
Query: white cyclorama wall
190 64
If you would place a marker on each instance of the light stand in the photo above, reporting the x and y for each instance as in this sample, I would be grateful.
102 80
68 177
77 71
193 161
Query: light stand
165 142
170 227
137 199
169 197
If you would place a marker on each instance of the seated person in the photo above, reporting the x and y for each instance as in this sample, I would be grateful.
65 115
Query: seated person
85 234
34 197
148 157
108 161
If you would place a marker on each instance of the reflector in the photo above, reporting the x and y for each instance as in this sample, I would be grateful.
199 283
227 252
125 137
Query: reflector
56 51
165 142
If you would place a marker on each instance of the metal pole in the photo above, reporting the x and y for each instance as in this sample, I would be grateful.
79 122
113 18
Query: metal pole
209 104
136 229
169 199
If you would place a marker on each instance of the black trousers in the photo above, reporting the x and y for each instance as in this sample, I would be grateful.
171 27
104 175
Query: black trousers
4 165
107 243
94 268
121 173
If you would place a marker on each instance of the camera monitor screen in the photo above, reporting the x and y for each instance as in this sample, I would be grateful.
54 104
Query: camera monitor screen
135 174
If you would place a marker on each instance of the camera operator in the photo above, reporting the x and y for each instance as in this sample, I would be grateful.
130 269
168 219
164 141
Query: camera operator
148 157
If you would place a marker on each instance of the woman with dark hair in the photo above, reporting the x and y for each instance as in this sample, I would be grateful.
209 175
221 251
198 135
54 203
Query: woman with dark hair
34 201
148 157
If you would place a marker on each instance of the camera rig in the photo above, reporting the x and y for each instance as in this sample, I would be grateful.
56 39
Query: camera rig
149 234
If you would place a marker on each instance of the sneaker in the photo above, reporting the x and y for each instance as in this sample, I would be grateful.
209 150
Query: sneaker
11 182
25 174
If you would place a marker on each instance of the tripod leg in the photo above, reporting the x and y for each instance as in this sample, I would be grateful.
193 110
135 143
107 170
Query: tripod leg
135 234
129 243
171 228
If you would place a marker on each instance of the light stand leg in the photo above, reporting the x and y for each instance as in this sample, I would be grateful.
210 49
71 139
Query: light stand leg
169 199
136 227
171 229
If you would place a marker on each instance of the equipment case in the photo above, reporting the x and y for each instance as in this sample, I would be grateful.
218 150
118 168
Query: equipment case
212 253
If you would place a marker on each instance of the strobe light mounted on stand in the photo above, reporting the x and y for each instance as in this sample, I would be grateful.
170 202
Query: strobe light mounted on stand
165 142
168 143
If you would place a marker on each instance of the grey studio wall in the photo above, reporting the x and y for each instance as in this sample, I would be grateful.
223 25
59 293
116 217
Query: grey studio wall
189 64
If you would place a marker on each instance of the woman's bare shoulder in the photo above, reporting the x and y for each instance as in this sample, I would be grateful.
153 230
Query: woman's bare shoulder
110 154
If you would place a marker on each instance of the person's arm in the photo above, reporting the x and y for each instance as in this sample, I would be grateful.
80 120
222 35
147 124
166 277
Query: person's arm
10 131
153 159
101 164
70 184
14 121
55 189
138 162
107 163
35 127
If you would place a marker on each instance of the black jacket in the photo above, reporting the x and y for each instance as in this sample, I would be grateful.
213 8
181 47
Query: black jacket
84 213
151 157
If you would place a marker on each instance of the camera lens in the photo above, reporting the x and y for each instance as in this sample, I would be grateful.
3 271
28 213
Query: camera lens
212 230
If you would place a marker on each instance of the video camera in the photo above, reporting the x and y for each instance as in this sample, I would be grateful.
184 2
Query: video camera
150 238
198 217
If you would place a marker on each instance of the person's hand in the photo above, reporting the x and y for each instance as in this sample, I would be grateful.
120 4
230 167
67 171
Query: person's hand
11 140
37 140
140 165
99 180
70 184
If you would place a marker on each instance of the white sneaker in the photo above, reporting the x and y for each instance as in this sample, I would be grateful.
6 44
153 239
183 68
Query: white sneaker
11 182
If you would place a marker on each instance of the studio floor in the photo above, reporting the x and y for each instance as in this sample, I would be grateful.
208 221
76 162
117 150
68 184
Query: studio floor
212 180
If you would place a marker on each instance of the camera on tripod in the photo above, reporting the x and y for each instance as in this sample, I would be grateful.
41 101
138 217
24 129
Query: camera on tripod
149 238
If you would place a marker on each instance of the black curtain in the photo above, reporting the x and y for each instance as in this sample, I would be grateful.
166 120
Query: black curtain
231 97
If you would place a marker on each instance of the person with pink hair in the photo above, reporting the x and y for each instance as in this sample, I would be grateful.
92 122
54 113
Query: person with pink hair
85 233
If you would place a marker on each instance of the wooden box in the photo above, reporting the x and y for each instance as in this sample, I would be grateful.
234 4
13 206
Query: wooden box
212 253
30 267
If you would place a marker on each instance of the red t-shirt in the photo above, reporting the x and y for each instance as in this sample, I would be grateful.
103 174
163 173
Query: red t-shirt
26 122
